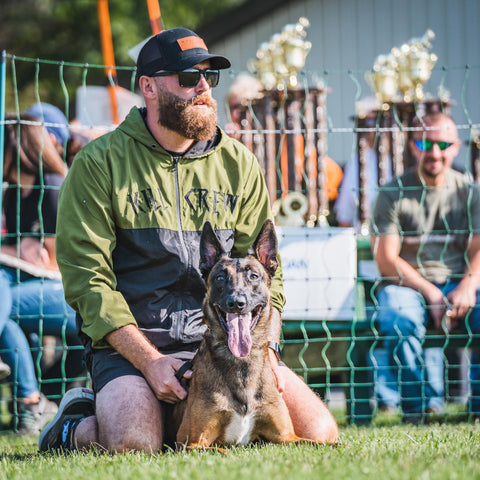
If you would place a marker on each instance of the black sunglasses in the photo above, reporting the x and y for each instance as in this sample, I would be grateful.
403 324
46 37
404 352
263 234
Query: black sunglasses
427 145
190 77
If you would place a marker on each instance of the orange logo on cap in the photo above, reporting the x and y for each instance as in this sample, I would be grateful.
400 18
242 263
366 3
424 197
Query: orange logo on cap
187 43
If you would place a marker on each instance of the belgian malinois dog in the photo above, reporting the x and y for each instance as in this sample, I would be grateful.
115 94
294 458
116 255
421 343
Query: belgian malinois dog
233 397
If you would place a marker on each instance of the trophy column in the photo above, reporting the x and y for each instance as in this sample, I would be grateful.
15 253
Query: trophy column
288 134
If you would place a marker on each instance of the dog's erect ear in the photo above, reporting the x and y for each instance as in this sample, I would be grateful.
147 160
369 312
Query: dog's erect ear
265 247
210 249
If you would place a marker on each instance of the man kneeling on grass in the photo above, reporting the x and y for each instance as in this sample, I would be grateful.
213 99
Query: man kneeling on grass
131 212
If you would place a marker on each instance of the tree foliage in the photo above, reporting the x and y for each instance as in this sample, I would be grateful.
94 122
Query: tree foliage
68 30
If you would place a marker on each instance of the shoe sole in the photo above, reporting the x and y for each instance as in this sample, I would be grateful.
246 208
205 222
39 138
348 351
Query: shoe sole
51 431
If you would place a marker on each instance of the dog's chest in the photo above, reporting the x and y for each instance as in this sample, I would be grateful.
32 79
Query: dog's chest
239 430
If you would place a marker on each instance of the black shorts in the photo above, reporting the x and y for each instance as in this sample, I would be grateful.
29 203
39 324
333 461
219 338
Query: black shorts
107 364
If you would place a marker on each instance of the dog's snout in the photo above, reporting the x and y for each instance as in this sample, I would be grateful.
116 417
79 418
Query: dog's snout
236 303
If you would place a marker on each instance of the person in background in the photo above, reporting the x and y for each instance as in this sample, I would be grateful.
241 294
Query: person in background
34 172
54 121
243 91
426 243
67 141
31 409
131 212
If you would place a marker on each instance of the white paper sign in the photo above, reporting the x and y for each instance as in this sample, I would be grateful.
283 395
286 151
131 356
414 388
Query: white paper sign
319 272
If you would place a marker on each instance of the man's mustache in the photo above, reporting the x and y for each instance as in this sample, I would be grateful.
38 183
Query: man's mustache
202 98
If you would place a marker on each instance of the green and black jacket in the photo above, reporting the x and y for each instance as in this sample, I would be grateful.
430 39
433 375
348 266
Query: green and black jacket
129 224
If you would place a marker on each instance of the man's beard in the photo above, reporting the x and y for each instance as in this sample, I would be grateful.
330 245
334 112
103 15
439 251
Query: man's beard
182 117
426 172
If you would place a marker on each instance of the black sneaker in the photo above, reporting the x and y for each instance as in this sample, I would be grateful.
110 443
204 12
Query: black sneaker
32 417
76 404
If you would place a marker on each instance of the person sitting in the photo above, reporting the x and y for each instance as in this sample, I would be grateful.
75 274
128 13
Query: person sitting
426 243
34 172
31 409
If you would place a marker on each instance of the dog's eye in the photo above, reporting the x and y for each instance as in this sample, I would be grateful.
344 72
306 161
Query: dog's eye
219 278
254 276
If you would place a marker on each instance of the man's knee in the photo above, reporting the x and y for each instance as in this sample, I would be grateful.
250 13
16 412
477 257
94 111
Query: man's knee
129 416
132 439
401 311
310 416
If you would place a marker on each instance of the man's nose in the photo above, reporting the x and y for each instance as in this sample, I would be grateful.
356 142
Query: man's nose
202 85
436 150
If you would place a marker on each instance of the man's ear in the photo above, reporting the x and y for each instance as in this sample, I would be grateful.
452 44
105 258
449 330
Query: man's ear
147 86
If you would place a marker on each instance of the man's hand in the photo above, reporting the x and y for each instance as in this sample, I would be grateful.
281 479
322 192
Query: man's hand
437 305
158 369
160 375
461 299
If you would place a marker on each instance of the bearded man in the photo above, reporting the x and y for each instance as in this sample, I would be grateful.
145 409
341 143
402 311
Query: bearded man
131 213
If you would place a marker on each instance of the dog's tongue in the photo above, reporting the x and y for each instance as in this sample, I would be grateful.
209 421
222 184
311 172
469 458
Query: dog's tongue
239 339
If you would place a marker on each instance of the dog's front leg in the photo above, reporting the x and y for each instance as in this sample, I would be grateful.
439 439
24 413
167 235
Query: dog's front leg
275 425
201 431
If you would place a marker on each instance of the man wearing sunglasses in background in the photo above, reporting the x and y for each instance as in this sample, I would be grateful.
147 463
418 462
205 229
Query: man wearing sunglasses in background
427 247
131 213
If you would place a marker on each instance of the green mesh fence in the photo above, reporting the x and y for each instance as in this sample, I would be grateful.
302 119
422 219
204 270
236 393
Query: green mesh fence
331 334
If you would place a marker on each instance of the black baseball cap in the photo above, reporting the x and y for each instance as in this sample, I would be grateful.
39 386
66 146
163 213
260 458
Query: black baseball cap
174 50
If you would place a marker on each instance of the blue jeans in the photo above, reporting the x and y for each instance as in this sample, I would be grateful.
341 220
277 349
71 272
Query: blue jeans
14 347
403 318
37 307
385 376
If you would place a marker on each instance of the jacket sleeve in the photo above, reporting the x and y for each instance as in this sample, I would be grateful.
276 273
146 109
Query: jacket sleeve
255 209
85 241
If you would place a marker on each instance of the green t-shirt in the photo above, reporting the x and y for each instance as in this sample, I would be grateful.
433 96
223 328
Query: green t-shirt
434 223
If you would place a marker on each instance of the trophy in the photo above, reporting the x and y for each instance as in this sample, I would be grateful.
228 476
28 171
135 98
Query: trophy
278 61
406 68
384 80
295 49
421 65
263 66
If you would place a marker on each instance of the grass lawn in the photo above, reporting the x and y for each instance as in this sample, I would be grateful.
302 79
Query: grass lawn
438 451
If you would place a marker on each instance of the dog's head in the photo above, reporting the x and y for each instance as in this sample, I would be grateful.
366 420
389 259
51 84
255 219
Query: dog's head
238 289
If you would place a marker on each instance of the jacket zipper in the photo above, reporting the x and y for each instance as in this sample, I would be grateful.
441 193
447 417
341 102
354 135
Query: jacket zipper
178 329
